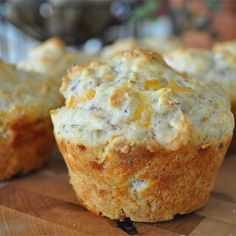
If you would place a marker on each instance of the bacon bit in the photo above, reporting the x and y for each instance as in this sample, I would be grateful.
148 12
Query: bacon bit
81 147
96 166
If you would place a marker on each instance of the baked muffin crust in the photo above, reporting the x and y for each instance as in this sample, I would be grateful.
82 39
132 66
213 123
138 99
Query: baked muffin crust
140 140
121 98
26 137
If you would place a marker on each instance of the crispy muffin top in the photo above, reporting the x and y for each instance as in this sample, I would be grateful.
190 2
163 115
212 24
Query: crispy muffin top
138 97
25 94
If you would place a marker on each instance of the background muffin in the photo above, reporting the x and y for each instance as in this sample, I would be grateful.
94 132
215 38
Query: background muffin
225 58
140 140
26 137
228 46
50 58
225 63
217 65
207 66
192 61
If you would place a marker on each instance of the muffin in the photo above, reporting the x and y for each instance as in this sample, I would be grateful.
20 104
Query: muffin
26 137
225 58
50 58
192 61
228 46
205 65
139 139
225 63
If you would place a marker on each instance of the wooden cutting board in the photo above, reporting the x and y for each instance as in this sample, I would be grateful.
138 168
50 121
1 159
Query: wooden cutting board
43 203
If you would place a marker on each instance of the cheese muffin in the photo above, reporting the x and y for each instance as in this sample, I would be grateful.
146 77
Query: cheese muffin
50 58
139 139
225 72
26 137
225 60
192 61
228 46
206 66
218 66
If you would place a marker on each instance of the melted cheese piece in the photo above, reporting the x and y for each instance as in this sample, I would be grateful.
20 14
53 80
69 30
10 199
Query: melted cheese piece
142 107
90 94
152 85
71 102
117 98
176 87
110 77
172 84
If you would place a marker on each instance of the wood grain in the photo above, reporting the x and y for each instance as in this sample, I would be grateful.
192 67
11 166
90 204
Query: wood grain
43 203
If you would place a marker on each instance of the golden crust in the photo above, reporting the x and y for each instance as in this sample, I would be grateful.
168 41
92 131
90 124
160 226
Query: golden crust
26 137
147 159
169 184
25 146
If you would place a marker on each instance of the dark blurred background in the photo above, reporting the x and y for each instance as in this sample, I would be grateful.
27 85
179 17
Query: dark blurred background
90 24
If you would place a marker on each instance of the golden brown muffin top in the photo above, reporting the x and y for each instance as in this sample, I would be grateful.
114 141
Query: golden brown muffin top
136 95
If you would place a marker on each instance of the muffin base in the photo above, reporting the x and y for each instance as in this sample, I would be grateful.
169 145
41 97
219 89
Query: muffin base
27 147
177 182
